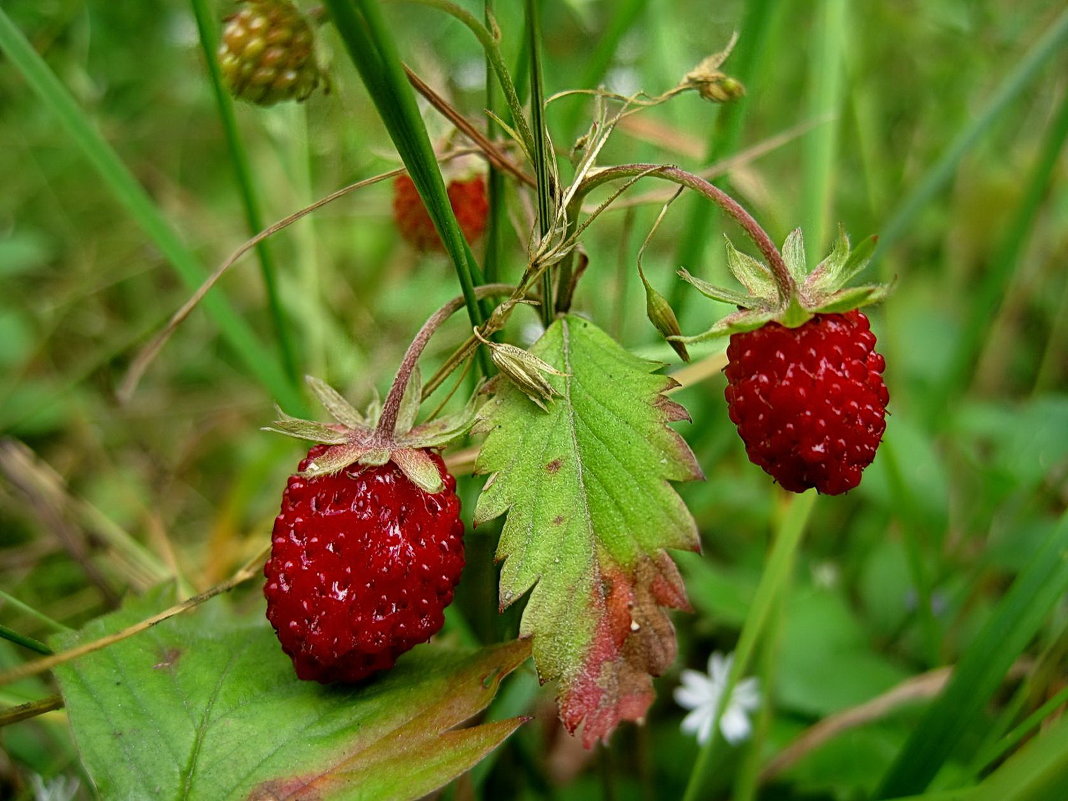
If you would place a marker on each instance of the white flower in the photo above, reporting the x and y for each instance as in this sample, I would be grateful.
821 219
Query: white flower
58 788
701 693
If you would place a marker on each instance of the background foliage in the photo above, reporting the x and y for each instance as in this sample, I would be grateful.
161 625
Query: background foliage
884 107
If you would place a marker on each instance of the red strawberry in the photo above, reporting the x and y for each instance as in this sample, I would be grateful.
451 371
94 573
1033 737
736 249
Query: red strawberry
809 402
804 383
468 201
363 563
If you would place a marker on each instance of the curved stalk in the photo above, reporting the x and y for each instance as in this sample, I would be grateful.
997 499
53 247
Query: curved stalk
783 280
391 407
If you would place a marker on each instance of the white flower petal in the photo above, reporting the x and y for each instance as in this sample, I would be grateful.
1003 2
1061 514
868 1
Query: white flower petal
746 694
697 720
735 726
719 667
689 698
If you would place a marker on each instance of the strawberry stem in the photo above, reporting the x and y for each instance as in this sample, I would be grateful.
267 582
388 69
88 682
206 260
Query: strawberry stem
387 422
783 280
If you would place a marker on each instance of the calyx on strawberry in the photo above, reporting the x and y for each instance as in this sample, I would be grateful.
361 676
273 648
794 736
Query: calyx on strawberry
466 196
267 53
368 545
804 383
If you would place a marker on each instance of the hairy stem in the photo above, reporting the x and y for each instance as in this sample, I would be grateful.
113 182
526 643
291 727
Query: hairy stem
752 228
391 408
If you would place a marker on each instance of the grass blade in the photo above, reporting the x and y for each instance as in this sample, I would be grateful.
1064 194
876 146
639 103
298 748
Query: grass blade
133 198
940 174
245 183
982 668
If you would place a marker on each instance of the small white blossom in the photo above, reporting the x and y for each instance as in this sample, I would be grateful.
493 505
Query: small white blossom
58 788
701 693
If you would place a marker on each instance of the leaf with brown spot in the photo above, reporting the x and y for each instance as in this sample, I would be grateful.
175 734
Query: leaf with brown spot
590 511
222 716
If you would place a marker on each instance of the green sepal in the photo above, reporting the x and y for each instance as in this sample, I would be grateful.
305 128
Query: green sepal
795 315
858 259
663 317
737 323
751 274
335 459
339 408
420 469
715 292
853 297
441 431
306 429
827 272
793 253
409 407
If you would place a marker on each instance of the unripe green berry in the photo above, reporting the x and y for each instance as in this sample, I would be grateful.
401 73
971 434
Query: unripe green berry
268 53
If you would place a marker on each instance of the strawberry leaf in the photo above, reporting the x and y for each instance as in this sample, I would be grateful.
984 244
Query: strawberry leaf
206 706
590 512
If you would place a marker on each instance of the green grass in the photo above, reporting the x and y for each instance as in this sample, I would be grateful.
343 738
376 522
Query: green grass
940 127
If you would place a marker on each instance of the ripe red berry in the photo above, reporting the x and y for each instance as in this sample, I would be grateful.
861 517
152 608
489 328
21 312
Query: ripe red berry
809 402
468 201
363 563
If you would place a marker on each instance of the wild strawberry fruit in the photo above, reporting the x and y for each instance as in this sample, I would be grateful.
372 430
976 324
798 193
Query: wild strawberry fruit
363 563
809 402
804 383
267 53
468 201
368 545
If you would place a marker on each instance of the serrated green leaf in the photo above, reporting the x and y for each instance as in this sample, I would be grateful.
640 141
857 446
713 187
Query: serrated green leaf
206 706
715 292
793 253
751 274
590 512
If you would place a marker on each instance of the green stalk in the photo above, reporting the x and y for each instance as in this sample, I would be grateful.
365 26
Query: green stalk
24 641
495 218
773 584
820 144
209 45
29 610
366 37
940 174
744 64
541 150
136 202
496 61
624 14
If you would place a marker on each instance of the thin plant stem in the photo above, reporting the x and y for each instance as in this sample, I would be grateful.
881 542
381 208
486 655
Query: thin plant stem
752 50
246 184
541 147
775 579
29 610
825 93
370 45
489 41
21 639
17 714
391 406
752 228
